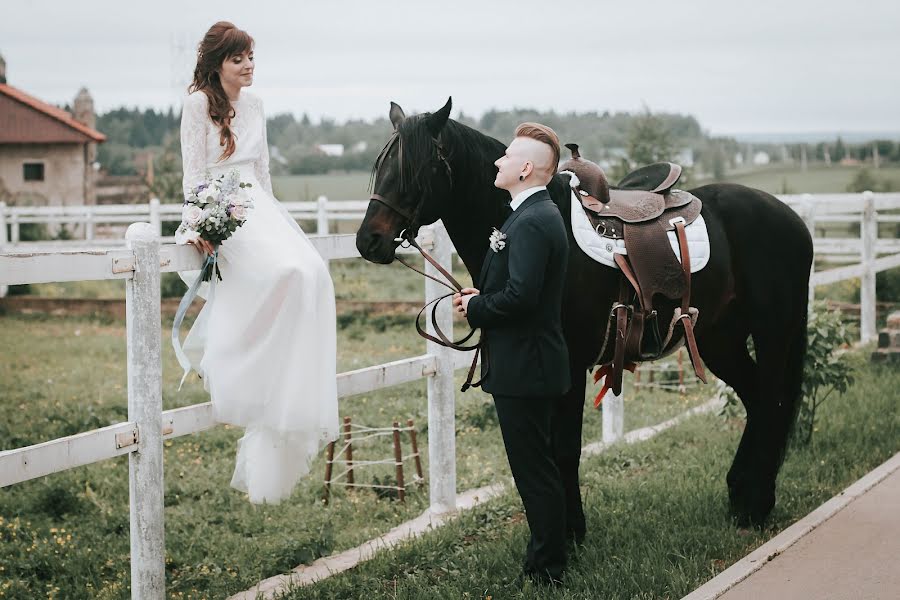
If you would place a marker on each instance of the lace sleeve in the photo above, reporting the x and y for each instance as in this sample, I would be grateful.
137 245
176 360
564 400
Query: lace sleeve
193 150
261 165
193 140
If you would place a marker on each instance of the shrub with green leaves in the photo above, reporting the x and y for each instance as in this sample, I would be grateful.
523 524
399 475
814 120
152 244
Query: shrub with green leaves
825 370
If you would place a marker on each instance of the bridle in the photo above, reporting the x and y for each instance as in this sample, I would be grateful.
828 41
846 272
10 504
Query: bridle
407 236
412 226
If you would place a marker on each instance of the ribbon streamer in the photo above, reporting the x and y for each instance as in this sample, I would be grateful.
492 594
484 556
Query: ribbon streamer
210 266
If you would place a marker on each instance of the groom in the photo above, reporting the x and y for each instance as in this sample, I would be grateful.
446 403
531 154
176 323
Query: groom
526 362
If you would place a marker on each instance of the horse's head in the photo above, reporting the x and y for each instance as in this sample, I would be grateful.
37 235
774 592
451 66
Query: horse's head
412 178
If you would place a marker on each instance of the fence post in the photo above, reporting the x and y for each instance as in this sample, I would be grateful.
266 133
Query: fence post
809 217
869 233
14 228
613 417
441 392
145 466
4 240
322 219
322 215
89 222
155 220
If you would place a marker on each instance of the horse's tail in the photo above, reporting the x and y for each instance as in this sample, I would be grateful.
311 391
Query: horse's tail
794 376
796 360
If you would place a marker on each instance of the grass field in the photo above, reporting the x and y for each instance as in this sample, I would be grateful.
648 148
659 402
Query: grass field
775 180
658 525
819 179
301 188
66 535
354 279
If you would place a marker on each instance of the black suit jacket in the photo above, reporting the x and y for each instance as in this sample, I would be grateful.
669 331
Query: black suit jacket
520 302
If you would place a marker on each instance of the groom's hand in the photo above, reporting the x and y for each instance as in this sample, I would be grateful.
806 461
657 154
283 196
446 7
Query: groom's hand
461 300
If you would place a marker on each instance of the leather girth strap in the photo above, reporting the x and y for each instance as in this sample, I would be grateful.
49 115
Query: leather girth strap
685 316
630 322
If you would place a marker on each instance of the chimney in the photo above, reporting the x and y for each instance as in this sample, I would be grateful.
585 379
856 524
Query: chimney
83 111
2 70
84 108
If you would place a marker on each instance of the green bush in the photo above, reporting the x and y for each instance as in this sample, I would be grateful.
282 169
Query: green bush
19 290
171 286
33 232
887 286
825 369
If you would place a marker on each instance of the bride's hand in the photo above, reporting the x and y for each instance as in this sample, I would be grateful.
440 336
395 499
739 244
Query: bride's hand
202 245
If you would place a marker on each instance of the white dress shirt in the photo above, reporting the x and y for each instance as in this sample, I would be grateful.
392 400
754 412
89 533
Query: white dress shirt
524 195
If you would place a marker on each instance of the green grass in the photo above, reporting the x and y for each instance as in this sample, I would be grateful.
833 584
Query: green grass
353 185
657 518
818 179
354 279
63 376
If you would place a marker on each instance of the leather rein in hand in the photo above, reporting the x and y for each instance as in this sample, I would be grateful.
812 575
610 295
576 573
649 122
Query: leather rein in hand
451 283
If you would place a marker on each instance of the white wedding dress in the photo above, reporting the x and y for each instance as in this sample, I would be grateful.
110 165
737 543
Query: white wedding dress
265 346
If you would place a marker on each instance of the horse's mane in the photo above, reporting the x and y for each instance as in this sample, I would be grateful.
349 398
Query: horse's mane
465 148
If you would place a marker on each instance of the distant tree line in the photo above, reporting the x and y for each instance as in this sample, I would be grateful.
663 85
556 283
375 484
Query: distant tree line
617 140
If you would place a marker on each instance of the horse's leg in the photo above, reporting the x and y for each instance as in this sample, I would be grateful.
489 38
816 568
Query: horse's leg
567 421
779 338
724 351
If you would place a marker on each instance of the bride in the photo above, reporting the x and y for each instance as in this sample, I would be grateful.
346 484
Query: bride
265 346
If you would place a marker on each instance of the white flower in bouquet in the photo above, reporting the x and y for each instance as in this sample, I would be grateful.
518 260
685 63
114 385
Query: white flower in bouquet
210 194
239 212
191 214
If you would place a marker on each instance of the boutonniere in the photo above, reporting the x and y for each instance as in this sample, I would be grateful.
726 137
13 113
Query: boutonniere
497 240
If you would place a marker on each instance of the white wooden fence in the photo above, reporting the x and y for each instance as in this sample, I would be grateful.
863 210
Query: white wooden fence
864 250
142 260
88 218
141 437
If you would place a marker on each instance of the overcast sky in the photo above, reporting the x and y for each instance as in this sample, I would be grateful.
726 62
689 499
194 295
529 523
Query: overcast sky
739 67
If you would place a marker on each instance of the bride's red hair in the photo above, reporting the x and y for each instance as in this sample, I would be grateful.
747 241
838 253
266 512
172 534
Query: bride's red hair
221 42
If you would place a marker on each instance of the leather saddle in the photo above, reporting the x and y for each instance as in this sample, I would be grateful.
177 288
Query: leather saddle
640 210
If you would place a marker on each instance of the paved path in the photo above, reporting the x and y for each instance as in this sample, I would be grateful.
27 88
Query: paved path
847 549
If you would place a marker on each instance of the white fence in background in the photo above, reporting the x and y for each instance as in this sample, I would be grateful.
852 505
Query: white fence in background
88 218
141 437
863 251
143 259
866 209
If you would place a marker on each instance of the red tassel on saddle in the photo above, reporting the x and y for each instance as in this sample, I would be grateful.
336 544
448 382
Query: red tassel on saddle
605 373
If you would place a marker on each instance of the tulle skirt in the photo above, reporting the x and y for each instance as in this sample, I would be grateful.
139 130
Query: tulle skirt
269 349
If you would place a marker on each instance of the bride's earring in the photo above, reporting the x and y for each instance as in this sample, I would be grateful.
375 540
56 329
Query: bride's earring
521 178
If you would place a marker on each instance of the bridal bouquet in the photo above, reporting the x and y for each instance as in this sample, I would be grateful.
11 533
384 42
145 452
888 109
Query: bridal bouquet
214 209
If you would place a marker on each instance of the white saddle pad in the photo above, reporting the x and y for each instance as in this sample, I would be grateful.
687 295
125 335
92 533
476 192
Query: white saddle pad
603 249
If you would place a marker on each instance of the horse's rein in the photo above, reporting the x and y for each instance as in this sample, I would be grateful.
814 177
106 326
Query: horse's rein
451 283
454 286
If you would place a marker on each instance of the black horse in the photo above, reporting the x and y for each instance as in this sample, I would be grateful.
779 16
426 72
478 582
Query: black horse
755 285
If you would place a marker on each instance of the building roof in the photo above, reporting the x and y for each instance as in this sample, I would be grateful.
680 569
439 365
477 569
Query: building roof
46 128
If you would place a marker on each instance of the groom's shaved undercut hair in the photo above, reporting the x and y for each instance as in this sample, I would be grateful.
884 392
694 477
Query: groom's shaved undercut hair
543 134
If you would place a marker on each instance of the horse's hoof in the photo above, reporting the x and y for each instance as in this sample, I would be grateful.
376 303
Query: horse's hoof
749 508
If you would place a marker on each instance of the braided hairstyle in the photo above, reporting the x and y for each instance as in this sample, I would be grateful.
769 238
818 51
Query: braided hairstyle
221 42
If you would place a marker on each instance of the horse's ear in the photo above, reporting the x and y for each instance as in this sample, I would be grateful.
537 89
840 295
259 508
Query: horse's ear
396 115
438 119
